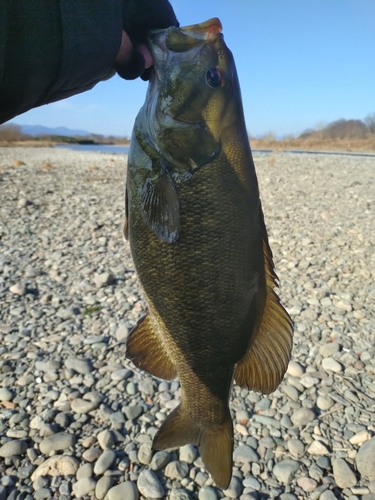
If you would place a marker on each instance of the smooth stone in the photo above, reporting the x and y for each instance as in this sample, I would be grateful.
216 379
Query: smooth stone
302 417
145 453
329 349
81 366
188 453
328 495
122 333
324 402
106 439
331 364
104 279
133 412
58 465
342 473
122 491
160 460
92 454
295 369
86 470
245 454
234 489
296 447
12 448
317 448
307 484
18 289
176 470
80 405
6 394
84 486
60 441
42 493
207 493
285 470
251 482
104 462
102 487
149 485
365 459
179 494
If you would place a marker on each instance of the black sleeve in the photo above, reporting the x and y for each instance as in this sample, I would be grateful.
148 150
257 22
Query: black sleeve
51 49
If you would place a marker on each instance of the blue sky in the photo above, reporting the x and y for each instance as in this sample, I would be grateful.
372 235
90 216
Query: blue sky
301 63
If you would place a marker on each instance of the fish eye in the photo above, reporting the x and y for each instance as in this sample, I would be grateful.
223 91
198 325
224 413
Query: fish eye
215 78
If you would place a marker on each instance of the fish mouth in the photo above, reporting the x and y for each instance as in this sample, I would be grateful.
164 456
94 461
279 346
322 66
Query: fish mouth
207 29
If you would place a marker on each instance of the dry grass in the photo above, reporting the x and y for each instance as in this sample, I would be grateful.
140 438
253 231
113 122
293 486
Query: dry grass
349 145
27 144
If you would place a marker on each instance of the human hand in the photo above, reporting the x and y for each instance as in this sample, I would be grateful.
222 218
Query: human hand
141 16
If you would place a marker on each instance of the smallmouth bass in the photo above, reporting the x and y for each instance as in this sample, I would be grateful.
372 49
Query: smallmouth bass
197 236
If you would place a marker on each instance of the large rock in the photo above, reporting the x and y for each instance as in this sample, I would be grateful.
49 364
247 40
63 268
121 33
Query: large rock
365 460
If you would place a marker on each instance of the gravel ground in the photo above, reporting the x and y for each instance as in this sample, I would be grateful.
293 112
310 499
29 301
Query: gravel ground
76 418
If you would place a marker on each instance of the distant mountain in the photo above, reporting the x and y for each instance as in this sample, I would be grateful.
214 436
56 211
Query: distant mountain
36 130
339 129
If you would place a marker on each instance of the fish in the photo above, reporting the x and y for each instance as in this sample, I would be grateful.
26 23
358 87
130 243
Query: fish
200 248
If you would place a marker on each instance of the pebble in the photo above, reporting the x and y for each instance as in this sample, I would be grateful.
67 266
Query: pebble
126 490
285 470
317 448
188 453
60 441
207 493
84 486
102 487
13 447
104 462
176 470
6 394
149 485
302 417
234 489
295 369
245 454
307 484
331 364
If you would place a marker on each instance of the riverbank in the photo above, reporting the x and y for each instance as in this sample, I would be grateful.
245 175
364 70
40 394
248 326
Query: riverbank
77 418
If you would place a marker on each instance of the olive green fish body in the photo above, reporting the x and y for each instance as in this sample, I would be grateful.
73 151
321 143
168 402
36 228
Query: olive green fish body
198 240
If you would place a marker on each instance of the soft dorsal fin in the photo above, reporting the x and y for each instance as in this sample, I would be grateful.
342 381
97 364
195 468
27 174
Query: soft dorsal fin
264 364
147 352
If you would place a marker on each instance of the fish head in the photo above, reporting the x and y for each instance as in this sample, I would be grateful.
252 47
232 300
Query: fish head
192 81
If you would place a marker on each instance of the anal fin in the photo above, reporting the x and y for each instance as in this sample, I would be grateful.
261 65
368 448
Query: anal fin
146 351
263 366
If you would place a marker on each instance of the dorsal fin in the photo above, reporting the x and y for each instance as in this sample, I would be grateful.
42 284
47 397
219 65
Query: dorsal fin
263 366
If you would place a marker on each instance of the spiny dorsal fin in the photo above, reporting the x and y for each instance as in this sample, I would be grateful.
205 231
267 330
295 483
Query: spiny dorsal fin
263 366
146 351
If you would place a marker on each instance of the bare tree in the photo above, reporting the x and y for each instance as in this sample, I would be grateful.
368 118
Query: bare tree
370 122
10 133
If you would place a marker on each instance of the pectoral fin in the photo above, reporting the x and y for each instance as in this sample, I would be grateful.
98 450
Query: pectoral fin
146 351
161 206
266 360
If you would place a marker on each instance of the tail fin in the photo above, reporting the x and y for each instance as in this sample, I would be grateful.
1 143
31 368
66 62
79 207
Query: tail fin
215 442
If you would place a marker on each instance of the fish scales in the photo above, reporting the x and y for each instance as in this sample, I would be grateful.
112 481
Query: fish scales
200 247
